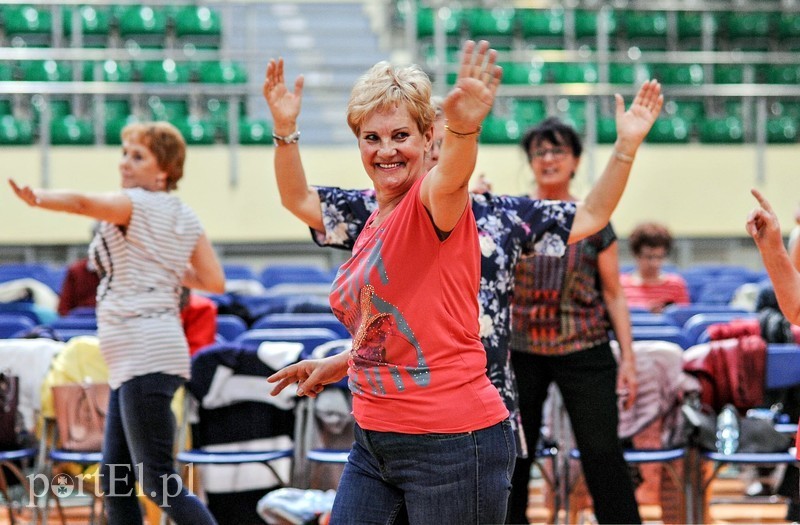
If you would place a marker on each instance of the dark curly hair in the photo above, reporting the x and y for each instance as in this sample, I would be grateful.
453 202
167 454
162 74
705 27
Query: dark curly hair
650 234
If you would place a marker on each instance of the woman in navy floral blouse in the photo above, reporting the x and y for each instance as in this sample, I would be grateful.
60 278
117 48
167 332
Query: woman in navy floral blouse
507 227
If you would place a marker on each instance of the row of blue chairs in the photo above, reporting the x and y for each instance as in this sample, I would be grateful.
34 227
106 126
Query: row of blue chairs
684 325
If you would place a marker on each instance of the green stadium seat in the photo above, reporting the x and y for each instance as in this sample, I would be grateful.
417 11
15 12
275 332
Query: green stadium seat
45 71
6 71
196 131
567 73
691 74
541 22
586 22
785 108
116 109
781 130
225 72
255 132
645 24
59 108
728 74
452 19
690 24
689 110
606 130
749 24
523 73
143 24
217 111
197 20
727 130
113 128
15 132
528 112
573 112
619 73
164 72
109 71
490 22
170 110
783 74
5 107
498 130
789 25
71 131
28 25
670 130
95 24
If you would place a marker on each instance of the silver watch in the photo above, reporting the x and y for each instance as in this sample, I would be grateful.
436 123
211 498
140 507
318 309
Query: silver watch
291 138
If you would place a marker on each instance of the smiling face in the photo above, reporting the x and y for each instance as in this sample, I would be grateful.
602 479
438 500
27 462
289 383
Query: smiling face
553 165
393 150
139 168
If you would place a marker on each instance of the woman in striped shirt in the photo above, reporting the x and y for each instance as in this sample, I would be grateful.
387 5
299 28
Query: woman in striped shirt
148 246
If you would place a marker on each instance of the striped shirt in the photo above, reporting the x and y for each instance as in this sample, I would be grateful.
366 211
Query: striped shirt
558 305
670 289
141 268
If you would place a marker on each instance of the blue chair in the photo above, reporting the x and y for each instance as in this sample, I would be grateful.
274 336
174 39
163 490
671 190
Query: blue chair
238 271
238 425
27 309
783 365
310 338
650 319
302 320
680 313
230 326
11 325
782 371
293 273
720 290
74 323
666 457
672 334
694 328
9 461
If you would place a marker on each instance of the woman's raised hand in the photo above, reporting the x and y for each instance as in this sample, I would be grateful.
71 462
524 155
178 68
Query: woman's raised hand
283 104
26 193
471 99
634 124
762 224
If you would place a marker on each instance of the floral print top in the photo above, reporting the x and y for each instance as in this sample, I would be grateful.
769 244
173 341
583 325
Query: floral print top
507 228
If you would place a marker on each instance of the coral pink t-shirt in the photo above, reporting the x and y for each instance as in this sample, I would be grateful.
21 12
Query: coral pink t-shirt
410 300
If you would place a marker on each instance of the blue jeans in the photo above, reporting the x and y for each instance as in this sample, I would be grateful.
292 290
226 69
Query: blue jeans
393 478
138 446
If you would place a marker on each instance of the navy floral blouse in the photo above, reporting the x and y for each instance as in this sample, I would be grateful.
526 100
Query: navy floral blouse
508 227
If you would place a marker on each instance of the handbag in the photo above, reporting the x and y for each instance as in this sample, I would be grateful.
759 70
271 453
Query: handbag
80 410
755 435
9 401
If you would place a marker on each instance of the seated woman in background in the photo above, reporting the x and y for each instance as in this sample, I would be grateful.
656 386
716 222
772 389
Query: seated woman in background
647 286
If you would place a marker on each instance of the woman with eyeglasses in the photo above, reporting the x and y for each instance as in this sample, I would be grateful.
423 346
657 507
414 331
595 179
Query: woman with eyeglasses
561 313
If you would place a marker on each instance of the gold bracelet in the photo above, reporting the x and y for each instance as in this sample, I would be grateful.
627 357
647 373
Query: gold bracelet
622 157
463 135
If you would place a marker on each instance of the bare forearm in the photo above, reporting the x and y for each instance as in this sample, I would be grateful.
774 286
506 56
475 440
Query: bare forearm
595 211
296 195
785 279
619 315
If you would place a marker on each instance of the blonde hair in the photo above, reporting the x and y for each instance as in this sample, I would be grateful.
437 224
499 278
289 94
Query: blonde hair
383 87
165 142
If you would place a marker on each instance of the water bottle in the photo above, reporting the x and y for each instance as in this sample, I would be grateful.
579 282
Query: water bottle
727 430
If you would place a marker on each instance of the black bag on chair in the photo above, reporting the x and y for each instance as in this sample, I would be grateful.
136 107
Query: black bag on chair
9 421
755 435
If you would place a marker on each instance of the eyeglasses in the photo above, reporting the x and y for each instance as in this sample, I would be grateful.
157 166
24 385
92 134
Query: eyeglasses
557 153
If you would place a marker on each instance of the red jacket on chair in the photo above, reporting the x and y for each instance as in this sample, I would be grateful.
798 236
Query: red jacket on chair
732 371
